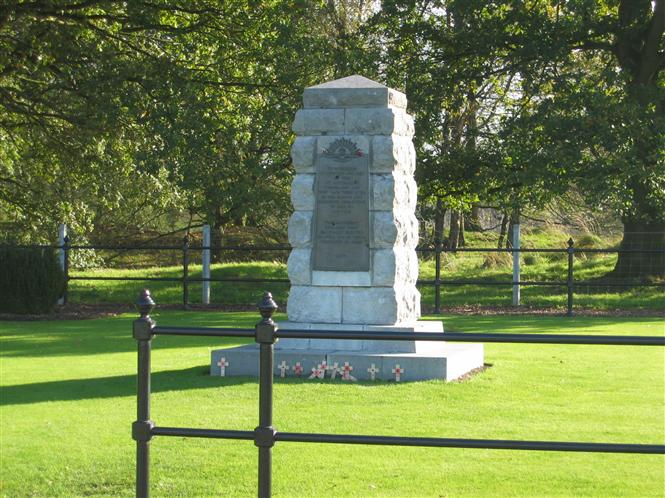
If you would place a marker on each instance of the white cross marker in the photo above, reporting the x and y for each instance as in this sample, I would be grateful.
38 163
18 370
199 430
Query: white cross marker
222 363
318 372
297 369
398 372
283 367
373 371
334 370
346 372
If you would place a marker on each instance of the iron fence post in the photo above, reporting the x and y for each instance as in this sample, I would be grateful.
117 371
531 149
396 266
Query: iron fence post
185 271
264 434
142 331
569 281
65 249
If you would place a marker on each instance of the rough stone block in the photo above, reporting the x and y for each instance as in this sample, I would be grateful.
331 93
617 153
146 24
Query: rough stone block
300 229
394 228
393 191
299 267
362 141
380 305
343 278
411 192
318 121
384 229
315 304
393 153
378 121
383 192
384 268
302 154
302 192
394 266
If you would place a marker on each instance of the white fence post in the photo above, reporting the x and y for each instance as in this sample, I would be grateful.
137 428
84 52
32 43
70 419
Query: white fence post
62 233
206 264
516 264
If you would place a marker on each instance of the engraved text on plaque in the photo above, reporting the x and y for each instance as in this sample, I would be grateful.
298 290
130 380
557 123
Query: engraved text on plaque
341 226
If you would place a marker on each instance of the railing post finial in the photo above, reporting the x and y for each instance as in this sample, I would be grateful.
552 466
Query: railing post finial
145 304
267 306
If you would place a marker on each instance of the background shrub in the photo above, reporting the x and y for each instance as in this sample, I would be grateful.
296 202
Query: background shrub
31 280
531 259
588 241
497 260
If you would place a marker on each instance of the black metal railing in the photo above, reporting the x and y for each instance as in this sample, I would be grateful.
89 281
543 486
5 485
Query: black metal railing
265 435
570 284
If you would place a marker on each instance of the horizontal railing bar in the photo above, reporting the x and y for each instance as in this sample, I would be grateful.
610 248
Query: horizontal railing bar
131 279
241 280
189 279
207 433
204 331
524 249
608 340
608 284
288 248
243 248
419 282
497 444
577 283
176 248
489 282
126 248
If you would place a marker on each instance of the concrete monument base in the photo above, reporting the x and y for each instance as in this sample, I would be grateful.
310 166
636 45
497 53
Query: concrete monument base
369 360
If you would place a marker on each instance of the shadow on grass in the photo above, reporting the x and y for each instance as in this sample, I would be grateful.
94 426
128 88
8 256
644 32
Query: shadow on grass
113 387
125 385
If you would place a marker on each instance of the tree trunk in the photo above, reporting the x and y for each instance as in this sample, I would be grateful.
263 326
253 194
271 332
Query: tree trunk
439 216
472 222
640 235
453 235
640 56
502 233
514 220
462 241
216 234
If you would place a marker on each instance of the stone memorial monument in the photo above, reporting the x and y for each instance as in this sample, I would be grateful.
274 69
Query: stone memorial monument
353 231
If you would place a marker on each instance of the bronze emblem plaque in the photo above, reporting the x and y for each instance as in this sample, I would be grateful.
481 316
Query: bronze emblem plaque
341 212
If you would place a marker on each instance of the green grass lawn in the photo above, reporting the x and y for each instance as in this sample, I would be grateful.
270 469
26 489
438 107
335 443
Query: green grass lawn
68 400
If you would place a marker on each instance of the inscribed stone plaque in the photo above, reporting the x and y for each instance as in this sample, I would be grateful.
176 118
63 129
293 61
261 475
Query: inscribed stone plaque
341 193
